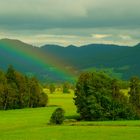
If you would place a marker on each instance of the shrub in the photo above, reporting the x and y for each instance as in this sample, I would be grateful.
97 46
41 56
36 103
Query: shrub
57 116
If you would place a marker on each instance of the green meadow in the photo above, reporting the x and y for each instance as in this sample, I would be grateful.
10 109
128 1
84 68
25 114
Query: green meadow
32 124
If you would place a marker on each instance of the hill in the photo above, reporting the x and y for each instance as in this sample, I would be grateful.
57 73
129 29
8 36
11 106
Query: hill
58 63
31 60
123 60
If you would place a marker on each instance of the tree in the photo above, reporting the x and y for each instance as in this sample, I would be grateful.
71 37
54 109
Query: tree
52 88
12 89
10 74
43 99
66 87
23 91
57 116
3 88
135 91
91 91
116 92
37 98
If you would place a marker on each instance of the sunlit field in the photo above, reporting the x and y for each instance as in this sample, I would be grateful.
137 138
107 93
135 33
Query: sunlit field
32 124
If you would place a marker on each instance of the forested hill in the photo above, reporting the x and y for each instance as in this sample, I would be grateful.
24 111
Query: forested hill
30 60
123 60
118 59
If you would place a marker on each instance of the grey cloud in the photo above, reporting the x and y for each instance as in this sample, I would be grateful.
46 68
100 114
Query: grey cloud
78 18
69 13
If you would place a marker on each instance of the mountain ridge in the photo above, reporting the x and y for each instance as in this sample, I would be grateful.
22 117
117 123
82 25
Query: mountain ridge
122 59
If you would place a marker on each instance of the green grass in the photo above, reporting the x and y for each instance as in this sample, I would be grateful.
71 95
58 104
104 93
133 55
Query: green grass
65 101
31 124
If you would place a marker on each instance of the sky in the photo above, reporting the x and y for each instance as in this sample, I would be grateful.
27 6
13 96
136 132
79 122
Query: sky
66 22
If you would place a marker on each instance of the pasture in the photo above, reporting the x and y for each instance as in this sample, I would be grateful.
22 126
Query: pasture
32 124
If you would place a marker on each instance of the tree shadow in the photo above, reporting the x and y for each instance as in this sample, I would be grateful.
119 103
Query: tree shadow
73 117
53 106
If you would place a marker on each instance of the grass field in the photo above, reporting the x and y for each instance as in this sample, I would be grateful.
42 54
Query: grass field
31 124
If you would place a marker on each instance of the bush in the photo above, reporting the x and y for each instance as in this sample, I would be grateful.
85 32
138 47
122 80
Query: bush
57 116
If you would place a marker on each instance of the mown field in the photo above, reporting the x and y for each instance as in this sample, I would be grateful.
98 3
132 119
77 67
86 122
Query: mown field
32 124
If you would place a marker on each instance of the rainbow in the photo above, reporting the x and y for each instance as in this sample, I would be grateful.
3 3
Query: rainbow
35 56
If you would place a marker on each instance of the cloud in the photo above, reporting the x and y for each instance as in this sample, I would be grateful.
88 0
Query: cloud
39 38
69 13
125 37
71 21
52 9
100 36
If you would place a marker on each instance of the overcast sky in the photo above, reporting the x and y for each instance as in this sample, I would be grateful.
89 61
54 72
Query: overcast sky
66 22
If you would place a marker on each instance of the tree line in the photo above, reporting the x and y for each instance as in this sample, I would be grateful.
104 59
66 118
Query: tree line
64 87
19 91
99 97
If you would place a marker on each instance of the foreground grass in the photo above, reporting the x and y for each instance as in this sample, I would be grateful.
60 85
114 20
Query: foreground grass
71 132
31 124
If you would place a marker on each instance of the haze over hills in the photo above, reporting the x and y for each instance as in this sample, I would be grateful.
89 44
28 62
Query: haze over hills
47 60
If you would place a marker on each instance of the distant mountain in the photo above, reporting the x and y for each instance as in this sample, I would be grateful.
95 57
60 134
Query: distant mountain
10 51
123 60
58 63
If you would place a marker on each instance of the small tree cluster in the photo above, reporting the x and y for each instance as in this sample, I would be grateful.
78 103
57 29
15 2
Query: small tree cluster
98 97
19 91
